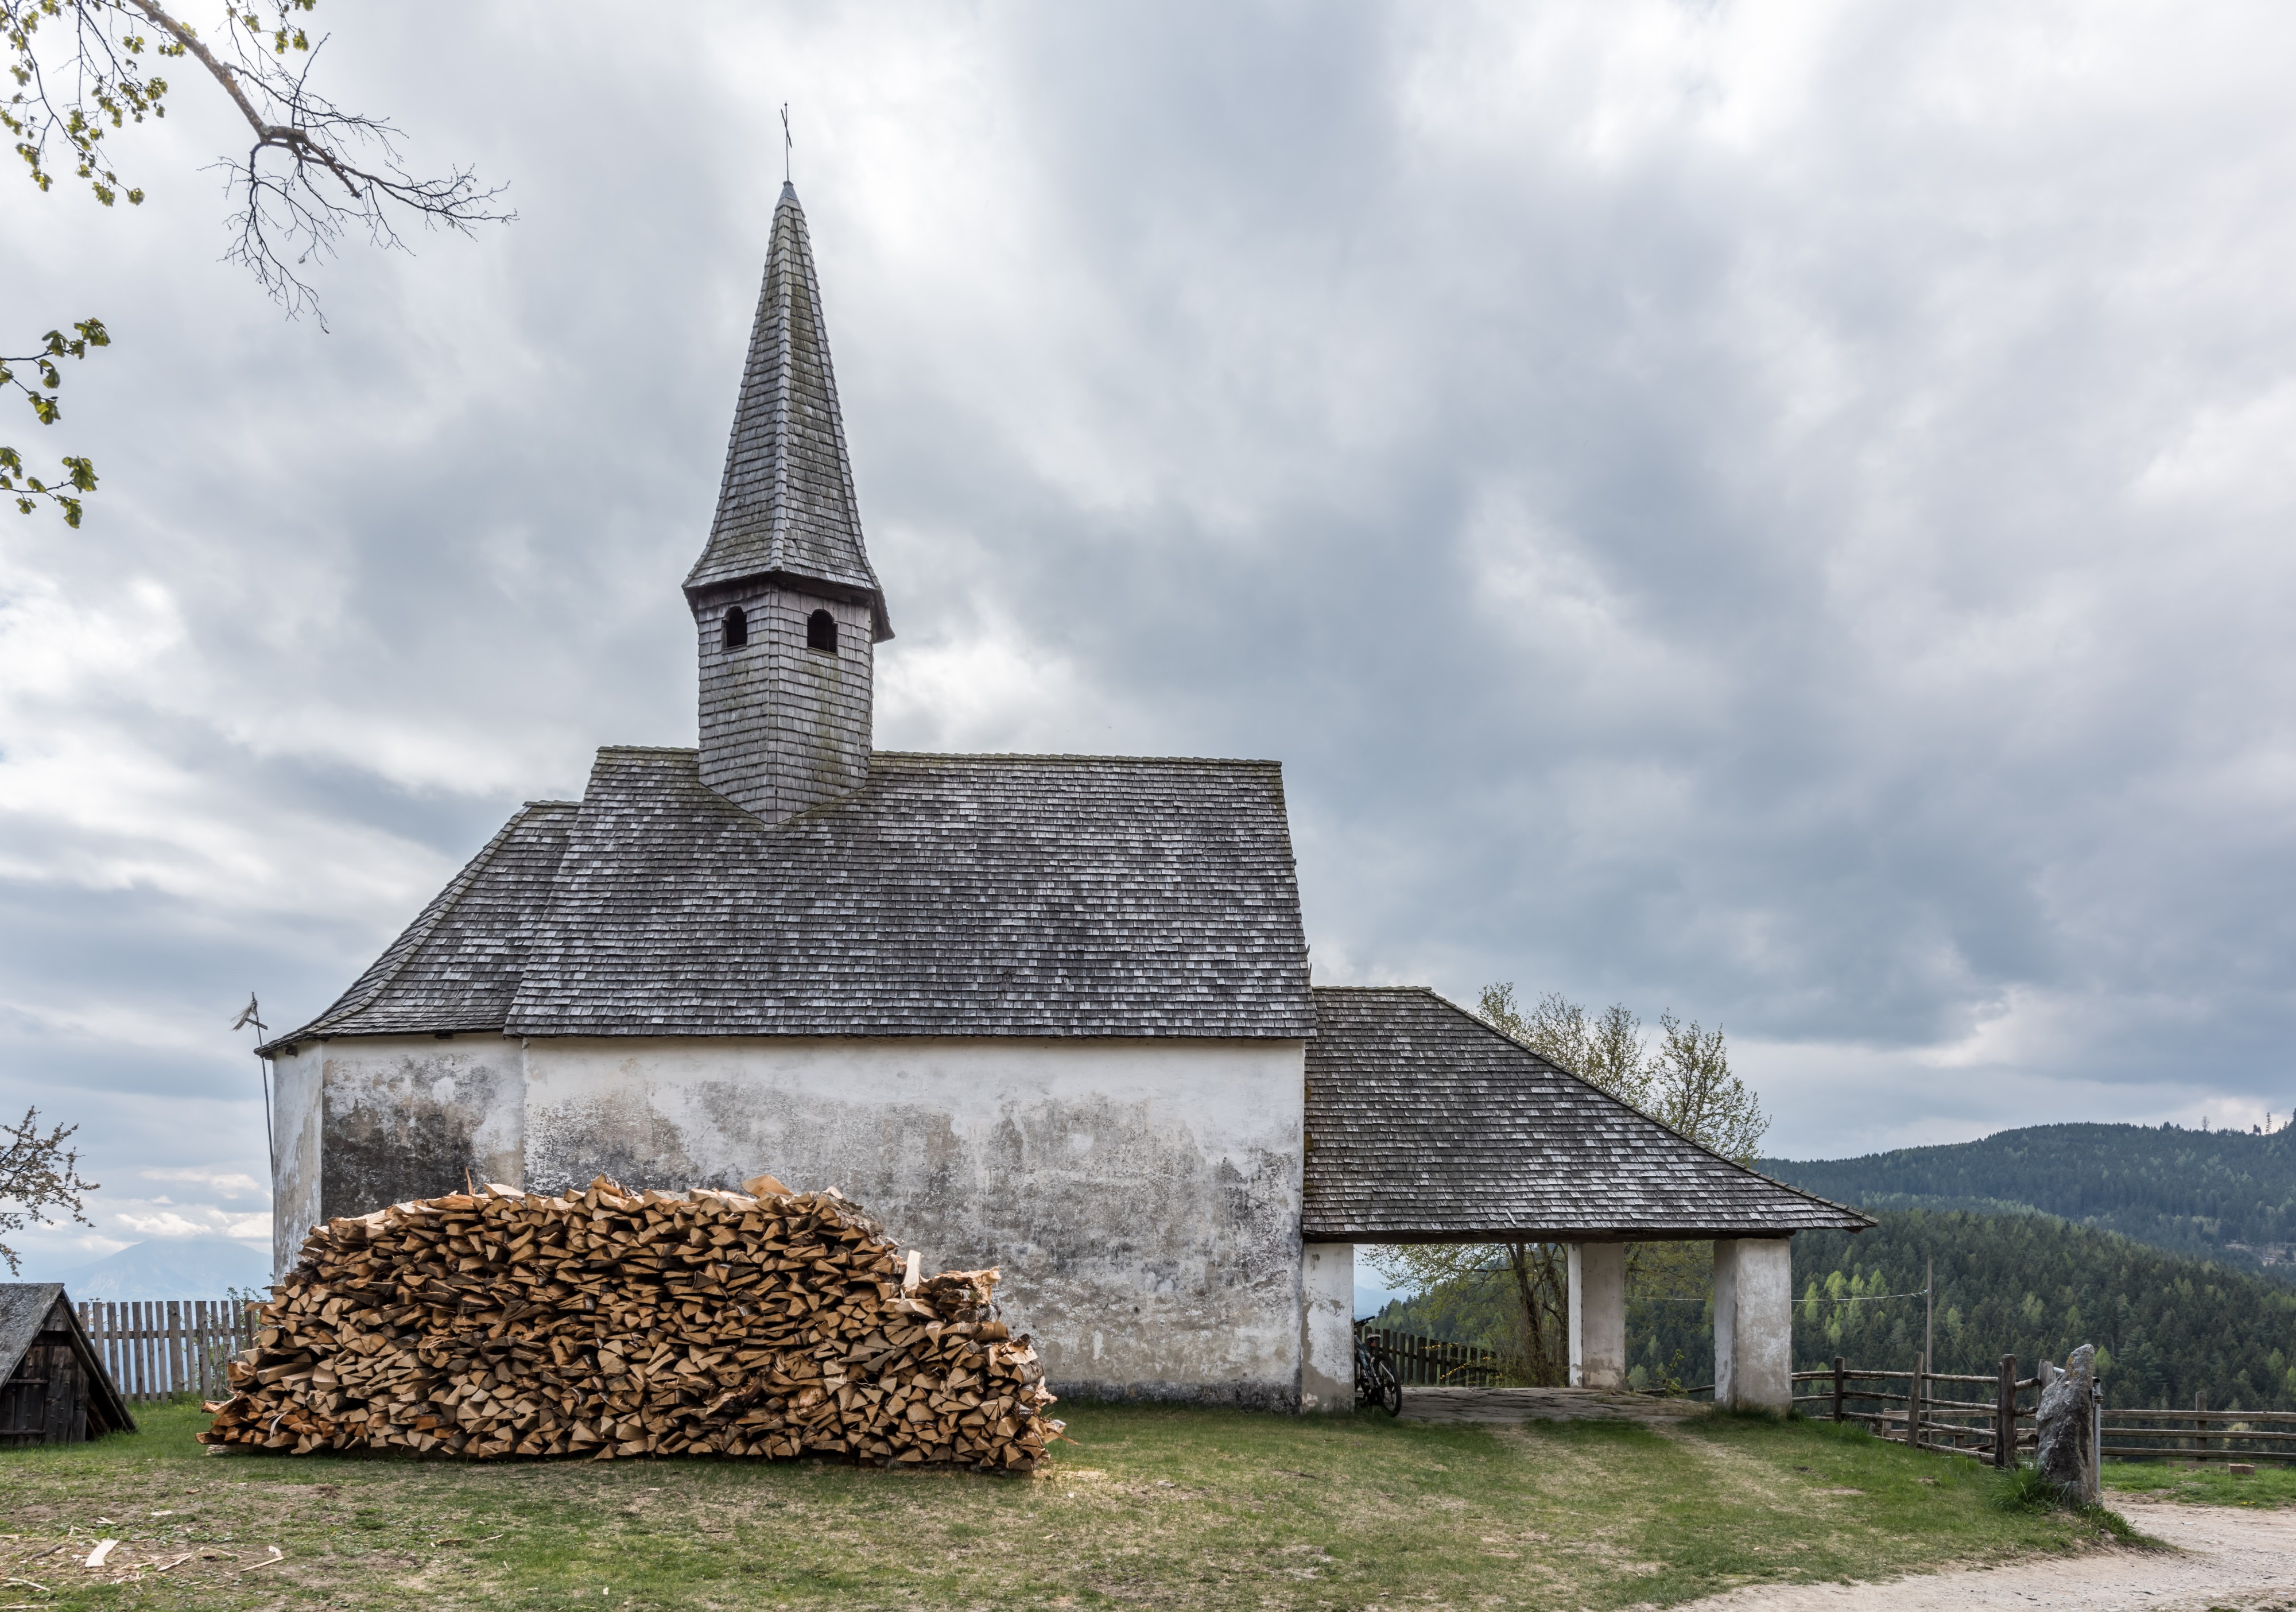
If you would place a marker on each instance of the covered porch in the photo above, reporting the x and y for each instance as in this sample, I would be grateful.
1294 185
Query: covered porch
1424 1124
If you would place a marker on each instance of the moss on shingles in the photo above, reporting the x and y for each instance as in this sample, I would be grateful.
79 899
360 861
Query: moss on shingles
1146 1506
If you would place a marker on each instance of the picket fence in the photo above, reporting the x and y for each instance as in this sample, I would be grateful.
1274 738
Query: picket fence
156 1349
1430 1363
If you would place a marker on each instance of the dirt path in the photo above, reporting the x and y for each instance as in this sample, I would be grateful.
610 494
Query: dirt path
2226 1557
1503 1406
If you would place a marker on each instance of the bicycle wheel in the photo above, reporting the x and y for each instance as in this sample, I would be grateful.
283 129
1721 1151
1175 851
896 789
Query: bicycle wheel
1390 1390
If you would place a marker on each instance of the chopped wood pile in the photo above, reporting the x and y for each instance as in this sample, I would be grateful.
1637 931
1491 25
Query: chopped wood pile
613 1323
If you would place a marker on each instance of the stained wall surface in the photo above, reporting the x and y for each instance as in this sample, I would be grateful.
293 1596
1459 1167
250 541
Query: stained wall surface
1142 1198
1328 1327
377 1120
295 1150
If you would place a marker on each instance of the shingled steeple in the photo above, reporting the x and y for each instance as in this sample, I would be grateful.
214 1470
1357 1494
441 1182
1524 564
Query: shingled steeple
787 607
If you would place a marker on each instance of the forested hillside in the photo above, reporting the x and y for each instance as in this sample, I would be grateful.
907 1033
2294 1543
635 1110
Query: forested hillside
2226 1195
2028 1285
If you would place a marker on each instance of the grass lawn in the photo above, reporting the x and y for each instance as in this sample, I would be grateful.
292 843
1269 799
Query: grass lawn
1148 1507
2200 1486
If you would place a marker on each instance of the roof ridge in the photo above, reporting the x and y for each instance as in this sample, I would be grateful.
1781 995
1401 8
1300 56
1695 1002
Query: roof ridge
974 755
1045 755
1480 1023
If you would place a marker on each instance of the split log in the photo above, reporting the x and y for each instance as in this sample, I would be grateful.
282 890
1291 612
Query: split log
608 1323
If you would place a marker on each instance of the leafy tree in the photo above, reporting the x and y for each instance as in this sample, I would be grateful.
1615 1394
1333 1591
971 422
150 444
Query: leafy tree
39 1179
1684 1083
86 69
15 480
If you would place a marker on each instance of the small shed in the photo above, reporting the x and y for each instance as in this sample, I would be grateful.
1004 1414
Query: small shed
54 1388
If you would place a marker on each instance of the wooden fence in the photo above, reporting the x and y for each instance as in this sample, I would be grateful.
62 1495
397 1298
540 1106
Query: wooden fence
158 1347
2000 1427
1430 1363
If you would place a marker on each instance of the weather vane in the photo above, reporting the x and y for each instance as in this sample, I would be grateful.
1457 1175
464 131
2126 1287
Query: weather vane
787 144
252 1014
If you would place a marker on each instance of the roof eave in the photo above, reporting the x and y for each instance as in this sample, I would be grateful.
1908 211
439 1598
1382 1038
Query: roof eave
716 590
1347 1232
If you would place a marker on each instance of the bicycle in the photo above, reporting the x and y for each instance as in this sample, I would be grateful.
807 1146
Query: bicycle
1376 1383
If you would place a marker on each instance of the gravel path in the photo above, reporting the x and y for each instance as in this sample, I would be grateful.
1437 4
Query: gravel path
2226 1556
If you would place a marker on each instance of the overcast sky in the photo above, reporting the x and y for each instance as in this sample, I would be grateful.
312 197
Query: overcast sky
1777 514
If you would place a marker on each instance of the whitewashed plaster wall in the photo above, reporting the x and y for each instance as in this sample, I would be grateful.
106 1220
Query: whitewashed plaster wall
1142 1197
295 1151
1328 1327
384 1118
1753 1323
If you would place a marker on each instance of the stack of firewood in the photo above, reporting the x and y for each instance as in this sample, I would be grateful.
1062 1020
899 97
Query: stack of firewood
604 1323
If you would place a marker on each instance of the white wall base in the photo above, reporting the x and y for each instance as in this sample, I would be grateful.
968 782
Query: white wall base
1598 1315
1328 1327
1753 1324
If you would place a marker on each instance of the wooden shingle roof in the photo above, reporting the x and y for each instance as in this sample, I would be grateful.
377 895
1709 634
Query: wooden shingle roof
1424 1124
458 965
787 508
28 1309
950 895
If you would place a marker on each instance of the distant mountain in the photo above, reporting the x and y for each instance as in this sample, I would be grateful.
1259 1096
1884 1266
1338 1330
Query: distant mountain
2228 1196
188 1267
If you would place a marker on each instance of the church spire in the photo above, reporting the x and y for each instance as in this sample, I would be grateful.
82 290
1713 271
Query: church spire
786 510
787 610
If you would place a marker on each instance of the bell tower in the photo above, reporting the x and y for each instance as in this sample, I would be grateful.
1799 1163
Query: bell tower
787 609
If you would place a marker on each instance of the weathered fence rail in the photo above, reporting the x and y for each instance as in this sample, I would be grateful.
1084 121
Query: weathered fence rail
1998 1427
156 1348
1430 1363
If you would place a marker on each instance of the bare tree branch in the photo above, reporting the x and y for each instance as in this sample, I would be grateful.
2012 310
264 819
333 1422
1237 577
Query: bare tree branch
313 171
81 71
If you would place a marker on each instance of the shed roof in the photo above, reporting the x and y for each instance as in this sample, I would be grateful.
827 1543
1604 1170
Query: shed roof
1425 1125
950 895
24 1306
24 1310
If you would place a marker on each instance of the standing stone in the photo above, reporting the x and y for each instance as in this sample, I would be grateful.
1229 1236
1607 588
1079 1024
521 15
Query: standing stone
2068 1427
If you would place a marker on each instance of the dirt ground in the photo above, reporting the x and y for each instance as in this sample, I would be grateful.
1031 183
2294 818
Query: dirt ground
1457 1407
2224 1558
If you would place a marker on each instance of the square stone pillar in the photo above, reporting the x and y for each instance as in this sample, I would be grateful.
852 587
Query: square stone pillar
1598 1315
1753 1324
1328 1327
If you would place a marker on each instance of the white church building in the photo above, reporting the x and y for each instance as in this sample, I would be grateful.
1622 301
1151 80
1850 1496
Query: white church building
1048 1013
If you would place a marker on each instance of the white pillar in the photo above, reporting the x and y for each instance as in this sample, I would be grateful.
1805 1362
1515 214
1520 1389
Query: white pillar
1598 1315
1753 1324
1328 1327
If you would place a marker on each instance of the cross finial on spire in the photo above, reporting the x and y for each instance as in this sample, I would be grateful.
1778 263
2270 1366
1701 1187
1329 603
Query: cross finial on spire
787 144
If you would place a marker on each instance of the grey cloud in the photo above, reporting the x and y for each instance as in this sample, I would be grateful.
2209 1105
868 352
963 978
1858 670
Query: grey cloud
1781 529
